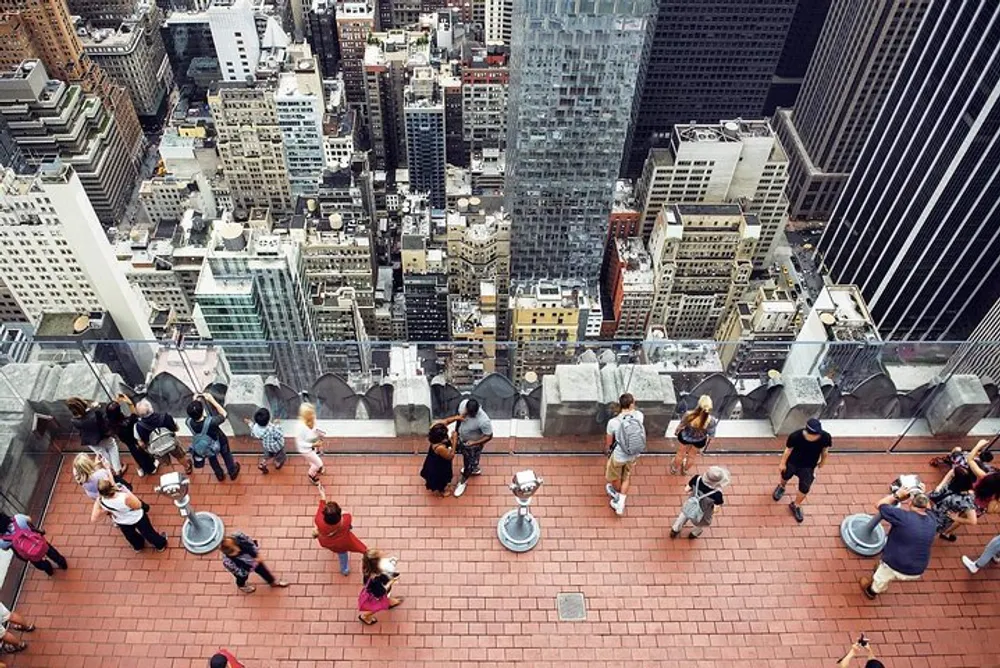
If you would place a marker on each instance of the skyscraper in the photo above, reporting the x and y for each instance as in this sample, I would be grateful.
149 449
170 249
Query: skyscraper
709 59
858 56
573 75
43 30
424 115
719 163
916 227
803 34
56 257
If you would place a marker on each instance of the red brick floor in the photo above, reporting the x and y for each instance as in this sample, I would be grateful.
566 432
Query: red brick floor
755 587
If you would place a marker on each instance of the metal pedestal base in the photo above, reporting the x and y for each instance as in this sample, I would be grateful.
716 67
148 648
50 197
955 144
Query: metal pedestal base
203 534
863 534
517 532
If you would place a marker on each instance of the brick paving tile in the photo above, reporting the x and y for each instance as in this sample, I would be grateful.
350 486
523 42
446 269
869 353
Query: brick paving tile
755 587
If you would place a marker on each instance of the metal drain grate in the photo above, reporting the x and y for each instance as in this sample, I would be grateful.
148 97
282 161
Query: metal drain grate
572 607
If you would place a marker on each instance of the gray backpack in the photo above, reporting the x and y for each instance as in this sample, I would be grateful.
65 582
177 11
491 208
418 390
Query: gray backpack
692 505
631 436
161 441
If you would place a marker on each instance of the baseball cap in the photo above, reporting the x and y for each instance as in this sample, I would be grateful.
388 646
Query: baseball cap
814 426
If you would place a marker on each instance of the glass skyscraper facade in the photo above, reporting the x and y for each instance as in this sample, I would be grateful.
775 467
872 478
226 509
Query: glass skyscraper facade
573 74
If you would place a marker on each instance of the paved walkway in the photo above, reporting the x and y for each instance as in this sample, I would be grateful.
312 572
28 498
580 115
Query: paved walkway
755 587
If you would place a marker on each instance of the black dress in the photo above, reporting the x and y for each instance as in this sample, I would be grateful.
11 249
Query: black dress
436 471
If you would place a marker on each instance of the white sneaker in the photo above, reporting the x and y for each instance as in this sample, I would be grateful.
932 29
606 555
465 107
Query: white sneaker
618 507
970 564
611 491
460 489
996 559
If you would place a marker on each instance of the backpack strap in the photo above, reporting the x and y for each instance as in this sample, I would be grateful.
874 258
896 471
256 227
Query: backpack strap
700 497
206 425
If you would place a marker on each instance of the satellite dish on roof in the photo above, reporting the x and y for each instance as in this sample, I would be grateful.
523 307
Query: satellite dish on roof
827 318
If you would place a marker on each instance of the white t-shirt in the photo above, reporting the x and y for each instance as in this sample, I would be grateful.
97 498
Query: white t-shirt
305 438
614 424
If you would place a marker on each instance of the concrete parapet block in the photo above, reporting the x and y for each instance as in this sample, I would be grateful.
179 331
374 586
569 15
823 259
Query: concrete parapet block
571 398
800 398
244 396
411 405
957 406
654 395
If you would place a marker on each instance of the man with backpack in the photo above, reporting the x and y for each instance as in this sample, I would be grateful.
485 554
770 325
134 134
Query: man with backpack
626 436
207 438
157 434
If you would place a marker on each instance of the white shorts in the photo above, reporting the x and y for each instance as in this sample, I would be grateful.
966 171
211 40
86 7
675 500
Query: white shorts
4 615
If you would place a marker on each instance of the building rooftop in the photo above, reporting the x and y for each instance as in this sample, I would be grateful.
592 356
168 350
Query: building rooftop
752 588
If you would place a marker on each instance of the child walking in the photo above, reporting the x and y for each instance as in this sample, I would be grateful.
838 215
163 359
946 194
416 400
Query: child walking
271 438
307 438
379 575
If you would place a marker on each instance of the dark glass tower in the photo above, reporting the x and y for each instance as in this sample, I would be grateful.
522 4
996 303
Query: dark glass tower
799 46
916 227
710 60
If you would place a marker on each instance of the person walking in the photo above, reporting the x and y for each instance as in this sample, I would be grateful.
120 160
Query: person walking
378 577
271 438
9 620
695 431
437 472
475 430
704 496
205 420
907 551
240 556
129 514
121 423
307 441
805 451
91 422
157 433
28 542
626 437
334 531
991 553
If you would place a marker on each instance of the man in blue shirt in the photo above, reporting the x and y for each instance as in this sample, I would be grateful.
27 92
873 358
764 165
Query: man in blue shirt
908 549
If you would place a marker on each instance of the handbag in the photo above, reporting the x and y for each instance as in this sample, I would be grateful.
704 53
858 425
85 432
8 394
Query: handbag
692 505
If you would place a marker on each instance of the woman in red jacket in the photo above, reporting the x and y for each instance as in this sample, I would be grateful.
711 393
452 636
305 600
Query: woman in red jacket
333 531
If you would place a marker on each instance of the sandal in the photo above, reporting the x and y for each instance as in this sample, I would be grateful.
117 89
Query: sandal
20 627
313 479
281 584
673 469
13 648
367 622
950 537
248 589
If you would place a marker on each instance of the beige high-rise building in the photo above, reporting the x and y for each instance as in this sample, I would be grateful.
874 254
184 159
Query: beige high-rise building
720 163
702 262
546 322
757 335
479 252
473 351
251 150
